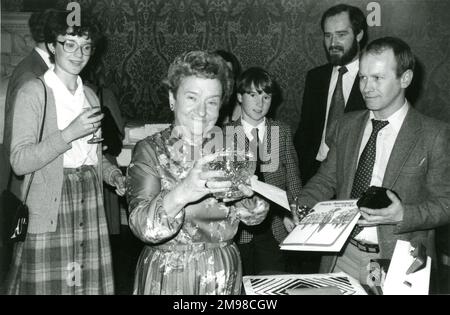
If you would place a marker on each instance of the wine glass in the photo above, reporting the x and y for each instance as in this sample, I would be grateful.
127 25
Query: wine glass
96 138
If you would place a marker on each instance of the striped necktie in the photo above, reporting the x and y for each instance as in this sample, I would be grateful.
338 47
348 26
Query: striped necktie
337 104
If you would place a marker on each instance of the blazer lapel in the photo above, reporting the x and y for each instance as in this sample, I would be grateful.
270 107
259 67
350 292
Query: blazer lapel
355 99
38 64
239 140
51 121
403 146
267 143
271 145
323 93
352 148
91 97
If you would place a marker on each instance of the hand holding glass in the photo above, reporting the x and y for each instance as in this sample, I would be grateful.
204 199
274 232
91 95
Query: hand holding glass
95 138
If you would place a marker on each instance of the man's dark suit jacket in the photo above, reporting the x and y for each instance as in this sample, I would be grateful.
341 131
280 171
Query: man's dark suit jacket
30 67
309 132
418 170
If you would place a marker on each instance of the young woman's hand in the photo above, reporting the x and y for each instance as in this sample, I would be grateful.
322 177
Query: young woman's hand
85 124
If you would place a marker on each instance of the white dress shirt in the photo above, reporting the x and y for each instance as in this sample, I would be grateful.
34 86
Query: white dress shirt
45 56
68 107
348 80
385 142
248 129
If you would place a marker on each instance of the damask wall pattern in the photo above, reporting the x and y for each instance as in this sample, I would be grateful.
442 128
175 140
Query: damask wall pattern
283 36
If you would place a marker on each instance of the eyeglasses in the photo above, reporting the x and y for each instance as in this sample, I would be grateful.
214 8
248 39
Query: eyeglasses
71 46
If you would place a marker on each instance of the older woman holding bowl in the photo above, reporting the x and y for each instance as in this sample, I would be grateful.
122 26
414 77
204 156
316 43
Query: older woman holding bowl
189 233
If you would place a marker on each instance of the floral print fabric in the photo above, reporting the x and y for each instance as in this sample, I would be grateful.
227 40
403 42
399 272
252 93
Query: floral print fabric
191 253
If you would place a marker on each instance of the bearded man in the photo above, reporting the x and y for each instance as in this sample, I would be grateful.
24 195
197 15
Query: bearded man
331 89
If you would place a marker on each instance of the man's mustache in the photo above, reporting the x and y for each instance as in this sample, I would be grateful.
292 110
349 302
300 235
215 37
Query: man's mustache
335 48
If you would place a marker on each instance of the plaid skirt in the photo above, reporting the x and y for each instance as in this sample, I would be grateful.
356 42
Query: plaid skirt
76 258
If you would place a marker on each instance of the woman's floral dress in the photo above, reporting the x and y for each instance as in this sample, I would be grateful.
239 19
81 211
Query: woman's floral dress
192 253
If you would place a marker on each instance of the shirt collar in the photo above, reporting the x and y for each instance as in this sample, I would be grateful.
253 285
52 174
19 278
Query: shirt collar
55 83
397 118
352 68
248 127
44 55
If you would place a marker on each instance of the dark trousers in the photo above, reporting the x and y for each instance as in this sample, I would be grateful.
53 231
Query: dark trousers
262 255
307 172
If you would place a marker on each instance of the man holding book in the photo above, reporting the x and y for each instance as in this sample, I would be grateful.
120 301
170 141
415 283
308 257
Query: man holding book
389 145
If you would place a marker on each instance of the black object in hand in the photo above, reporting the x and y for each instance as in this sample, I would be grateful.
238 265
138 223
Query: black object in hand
375 198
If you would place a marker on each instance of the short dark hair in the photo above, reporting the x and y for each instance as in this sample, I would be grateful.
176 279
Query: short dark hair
356 16
402 52
57 25
37 22
262 81
202 64
260 78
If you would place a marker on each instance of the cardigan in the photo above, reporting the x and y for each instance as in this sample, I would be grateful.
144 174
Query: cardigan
30 67
44 158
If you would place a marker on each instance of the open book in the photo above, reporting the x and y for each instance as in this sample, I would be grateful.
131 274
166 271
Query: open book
325 229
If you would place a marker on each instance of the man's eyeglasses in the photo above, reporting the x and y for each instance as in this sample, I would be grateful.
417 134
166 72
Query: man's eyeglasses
70 46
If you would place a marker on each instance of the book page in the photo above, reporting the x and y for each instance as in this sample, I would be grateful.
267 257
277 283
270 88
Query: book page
271 192
327 228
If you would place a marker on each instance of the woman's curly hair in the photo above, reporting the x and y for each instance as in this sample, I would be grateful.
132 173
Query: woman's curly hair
57 25
202 64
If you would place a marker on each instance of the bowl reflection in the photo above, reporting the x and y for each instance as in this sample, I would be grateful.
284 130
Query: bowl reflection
237 168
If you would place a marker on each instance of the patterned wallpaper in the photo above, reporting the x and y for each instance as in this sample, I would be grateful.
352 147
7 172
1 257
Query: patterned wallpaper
283 36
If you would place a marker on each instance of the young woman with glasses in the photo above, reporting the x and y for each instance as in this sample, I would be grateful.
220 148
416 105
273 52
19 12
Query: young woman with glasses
67 247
